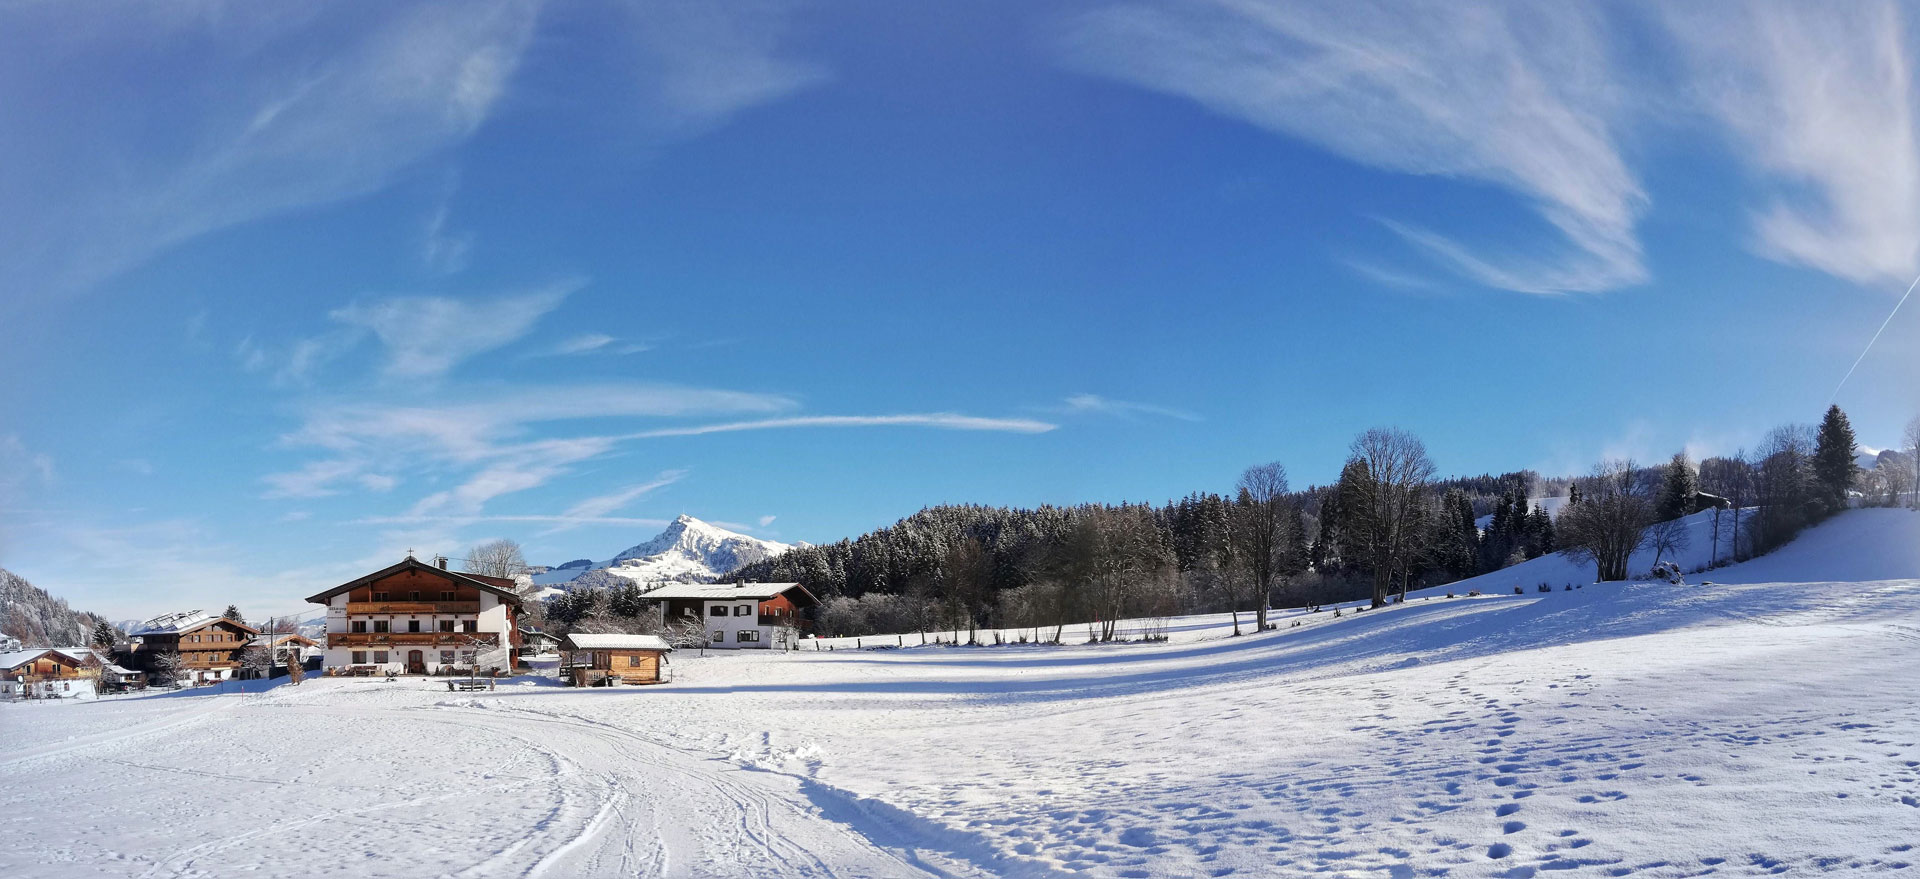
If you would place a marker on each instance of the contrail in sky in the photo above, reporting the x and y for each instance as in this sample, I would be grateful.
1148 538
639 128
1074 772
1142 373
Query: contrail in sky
1876 338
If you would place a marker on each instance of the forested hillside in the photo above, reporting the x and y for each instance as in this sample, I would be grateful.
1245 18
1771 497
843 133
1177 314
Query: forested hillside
28 613
1386 526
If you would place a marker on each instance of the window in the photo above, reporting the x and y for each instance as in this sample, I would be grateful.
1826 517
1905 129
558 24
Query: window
633 659
719 637
379 657
447 595
718 611
359 625
413 625
359 657
469 625
380 625
379 596
748 636
743 610
466 656
446 657
446 625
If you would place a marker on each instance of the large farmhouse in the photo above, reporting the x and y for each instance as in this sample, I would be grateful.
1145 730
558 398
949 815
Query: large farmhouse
209 647
419 618
739 615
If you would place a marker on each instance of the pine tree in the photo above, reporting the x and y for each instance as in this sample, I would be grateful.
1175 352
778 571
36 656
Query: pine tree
1834 467
1677 489
233 613
104 634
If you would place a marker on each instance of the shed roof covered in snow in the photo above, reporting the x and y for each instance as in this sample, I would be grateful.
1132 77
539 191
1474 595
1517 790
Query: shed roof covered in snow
584 641
726 591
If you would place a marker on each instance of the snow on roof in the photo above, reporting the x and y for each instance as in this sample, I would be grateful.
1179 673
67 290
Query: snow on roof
582 641
17 658
724 591
173 623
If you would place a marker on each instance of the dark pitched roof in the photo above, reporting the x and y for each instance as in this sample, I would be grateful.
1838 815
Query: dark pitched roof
500 586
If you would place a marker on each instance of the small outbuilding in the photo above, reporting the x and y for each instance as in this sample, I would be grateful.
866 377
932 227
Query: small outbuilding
600 660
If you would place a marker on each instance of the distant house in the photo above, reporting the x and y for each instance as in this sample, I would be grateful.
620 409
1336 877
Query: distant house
210 647
287 647
595 660
44 673
739 615
534 642
419 618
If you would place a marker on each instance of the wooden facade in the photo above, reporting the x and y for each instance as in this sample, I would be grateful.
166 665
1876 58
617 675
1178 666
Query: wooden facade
599 660
420 618
210 649
45 673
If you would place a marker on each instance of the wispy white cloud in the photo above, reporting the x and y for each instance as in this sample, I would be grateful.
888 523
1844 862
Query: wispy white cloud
766 520
425 336
598 343
259 110
442 248
1512 94
601 505
1094 403
21 467
942 420
699 63
1819 99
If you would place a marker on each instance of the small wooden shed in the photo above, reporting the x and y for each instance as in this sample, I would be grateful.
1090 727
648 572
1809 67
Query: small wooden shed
600 660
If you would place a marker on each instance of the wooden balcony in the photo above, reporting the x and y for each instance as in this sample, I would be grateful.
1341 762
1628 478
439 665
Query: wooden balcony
409 639
413 607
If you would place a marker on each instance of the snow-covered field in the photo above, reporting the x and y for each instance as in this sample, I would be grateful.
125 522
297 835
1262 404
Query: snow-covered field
1639 729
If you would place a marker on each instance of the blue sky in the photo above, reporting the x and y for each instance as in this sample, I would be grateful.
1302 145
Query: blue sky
283 295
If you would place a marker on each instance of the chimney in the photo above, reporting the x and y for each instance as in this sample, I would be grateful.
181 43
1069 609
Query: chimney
441 561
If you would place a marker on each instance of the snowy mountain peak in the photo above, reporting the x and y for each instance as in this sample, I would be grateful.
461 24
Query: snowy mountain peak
687 551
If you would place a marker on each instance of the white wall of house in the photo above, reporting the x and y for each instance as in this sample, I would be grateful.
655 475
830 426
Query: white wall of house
492 619
741 616
66 688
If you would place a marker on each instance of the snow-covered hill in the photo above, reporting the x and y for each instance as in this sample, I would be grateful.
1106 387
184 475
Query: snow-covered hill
1759 726
688 551
1870 544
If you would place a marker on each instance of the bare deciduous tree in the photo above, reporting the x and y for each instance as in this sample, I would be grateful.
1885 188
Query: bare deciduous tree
1913 461
1259 520
1610 522
497 558
1391 477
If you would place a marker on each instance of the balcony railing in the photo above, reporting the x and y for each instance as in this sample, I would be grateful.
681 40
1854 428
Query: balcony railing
443 607
383 639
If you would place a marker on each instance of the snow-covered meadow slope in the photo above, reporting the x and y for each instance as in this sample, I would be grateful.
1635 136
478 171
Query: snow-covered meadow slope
1613 730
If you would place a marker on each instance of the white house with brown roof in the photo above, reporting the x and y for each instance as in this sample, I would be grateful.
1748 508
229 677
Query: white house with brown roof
419 618
739 615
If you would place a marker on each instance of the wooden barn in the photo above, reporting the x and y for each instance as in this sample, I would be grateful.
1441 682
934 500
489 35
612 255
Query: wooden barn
600 660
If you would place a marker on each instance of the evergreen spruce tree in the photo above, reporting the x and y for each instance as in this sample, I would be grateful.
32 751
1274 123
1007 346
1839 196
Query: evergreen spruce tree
1677 489
1834 467
233 613
104 634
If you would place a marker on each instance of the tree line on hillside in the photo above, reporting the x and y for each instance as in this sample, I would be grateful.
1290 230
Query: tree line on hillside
1385 527
35 618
